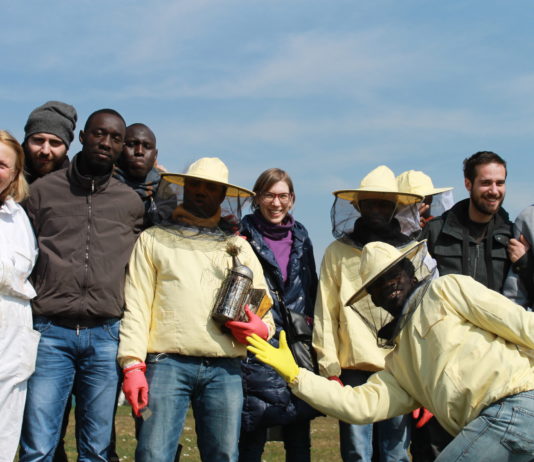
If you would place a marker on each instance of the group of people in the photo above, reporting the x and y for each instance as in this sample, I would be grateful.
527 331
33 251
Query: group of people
111 269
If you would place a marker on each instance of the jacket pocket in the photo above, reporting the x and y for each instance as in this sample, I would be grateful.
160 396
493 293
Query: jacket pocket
451 248
19 352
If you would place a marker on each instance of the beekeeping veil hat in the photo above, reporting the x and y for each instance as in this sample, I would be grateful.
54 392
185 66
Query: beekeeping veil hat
210 169
417 182
376 260
379 184
170 199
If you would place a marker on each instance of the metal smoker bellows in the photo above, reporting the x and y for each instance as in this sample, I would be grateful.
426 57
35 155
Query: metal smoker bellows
235 289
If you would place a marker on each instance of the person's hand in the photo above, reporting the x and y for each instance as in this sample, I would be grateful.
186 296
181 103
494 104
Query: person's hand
242 330
421 417
280 359
335 378
517 248
17 278
135 387
423 209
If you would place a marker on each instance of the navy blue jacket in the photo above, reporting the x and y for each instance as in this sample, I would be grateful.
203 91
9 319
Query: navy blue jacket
268 400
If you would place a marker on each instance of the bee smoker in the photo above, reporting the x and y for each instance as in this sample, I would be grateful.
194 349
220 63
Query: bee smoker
234 291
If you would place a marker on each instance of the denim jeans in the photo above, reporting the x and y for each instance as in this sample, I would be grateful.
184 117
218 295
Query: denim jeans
212 386
356 441
503 431
67 358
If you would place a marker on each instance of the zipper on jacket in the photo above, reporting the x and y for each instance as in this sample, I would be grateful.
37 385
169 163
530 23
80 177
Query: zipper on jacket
475 262
87 246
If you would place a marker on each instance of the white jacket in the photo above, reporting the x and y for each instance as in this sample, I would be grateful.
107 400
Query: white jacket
18 340
18 252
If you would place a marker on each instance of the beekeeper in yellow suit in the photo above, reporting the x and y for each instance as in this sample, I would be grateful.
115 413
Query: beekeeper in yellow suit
461 350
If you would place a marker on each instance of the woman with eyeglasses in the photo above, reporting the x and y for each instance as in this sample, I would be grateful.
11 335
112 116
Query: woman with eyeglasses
18 252
286 254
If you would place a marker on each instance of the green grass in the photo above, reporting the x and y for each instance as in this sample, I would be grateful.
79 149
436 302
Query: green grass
324 430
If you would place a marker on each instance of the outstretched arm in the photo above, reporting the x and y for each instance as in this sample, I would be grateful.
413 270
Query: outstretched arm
380 398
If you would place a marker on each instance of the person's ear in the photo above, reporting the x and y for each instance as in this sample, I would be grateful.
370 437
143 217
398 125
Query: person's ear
468 184
81 137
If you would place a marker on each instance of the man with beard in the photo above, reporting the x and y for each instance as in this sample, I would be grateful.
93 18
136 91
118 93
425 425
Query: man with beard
47 137
471 239
135 166
86 224
48 133
347 350
461 350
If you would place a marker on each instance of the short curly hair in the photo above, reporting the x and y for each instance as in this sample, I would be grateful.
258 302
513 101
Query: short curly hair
481 158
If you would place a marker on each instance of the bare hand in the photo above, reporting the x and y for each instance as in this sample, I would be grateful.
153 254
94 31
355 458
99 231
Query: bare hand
517 248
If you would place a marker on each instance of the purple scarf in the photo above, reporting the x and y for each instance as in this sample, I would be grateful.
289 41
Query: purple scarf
279 238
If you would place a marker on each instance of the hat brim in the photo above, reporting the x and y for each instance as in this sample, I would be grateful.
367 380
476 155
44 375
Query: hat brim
409 253
439 191
355 195
231 190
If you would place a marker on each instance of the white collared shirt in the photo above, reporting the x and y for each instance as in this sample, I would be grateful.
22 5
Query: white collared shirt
18 252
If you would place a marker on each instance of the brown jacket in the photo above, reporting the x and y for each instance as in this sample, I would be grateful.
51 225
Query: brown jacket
86 229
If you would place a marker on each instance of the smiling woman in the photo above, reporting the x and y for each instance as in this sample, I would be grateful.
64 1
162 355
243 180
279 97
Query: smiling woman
286 255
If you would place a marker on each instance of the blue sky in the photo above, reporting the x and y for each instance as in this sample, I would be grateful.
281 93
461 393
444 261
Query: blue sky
326 90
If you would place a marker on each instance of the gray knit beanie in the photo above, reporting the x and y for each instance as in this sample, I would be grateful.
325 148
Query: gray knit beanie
53 117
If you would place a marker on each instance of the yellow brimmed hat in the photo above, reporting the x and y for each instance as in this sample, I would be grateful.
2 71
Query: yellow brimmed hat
380 183
378 258
210 169
416 182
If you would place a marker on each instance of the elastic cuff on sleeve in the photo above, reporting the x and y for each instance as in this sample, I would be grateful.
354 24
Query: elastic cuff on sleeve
134 366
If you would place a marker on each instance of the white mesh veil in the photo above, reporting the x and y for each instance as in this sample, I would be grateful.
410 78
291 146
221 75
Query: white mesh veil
170 197
382 324
441 202
344 217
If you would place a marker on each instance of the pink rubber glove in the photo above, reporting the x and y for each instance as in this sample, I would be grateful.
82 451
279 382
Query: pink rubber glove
135 387
421 418
335 378
242 330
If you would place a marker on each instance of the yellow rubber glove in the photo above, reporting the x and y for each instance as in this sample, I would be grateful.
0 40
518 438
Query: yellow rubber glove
280 359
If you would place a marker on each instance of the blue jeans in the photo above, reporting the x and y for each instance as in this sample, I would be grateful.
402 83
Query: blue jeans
502 431
356 441
85 360
212 385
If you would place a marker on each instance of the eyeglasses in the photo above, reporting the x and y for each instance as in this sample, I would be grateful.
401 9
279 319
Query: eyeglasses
268 197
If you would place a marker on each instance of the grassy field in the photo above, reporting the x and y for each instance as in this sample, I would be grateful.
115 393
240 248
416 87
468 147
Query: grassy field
325 445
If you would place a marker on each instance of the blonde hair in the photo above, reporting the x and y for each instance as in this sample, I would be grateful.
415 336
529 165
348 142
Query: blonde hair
18 189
